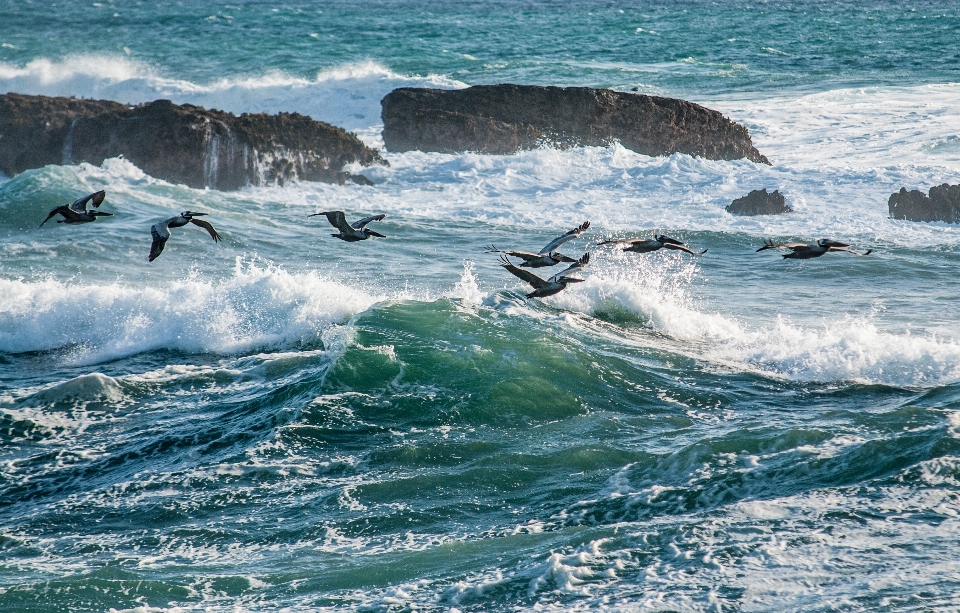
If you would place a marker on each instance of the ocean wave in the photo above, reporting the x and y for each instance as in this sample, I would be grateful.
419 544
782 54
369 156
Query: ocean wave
347 96
846 348
258 307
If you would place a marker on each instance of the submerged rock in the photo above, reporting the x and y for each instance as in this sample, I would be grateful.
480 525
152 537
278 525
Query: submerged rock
503 119
178 143
943 204
760 202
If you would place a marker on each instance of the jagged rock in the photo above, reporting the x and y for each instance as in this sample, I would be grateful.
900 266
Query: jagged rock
943 204
178 143
506 118
759 202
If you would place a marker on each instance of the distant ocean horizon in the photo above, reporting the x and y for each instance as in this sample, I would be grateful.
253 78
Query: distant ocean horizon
286 422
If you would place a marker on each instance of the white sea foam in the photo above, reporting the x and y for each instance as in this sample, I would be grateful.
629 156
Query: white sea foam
347 96
849 348
256 307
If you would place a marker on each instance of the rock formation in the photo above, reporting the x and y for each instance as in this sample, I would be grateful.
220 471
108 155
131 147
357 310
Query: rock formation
503 119
759 202
178 143
943 204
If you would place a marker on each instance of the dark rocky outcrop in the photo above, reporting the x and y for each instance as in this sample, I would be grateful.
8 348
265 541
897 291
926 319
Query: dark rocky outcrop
943 204
178 143
503 119
759 202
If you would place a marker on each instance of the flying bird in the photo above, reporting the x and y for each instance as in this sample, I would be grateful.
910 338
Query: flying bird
803 251
646 245
77 211
161 230
351 232
548 256
551 286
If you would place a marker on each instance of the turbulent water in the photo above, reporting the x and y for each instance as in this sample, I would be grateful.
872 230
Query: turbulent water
287 422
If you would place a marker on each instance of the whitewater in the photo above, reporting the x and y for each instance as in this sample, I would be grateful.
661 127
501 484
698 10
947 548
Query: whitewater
283 421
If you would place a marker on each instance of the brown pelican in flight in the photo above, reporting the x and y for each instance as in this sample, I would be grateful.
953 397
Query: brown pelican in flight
803 251
77 212
548 256
161 230
551 286
351 232
646 245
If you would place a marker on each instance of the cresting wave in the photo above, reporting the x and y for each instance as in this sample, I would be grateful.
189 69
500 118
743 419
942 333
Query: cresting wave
347 96
258 307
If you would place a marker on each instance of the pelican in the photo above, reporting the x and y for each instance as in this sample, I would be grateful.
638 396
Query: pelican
548 256
161 230
803 251
351 232
549 286
646 245
77 212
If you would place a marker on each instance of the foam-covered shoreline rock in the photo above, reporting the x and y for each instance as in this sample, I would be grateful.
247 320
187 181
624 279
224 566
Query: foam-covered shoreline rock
503 119
177 143
943 204
760 202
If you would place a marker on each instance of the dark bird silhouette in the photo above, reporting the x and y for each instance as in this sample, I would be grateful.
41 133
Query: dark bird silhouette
161 230
77 211
548 256
551 286
646 245
351 232
803 251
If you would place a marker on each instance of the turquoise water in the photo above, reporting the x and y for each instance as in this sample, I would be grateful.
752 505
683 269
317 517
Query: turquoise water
287 422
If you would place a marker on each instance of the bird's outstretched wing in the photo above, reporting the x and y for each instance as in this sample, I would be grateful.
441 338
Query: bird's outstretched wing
672 243
160 233
53 214
769 244
337 219
527 276
80 205
526 256
358 225
832 249
569 236
622 241
576 267
206 225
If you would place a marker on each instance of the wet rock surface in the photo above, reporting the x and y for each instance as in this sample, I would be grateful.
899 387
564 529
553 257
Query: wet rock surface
177 143
943 204
760 202
503 119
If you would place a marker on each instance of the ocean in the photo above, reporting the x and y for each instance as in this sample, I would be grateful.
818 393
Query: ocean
287 422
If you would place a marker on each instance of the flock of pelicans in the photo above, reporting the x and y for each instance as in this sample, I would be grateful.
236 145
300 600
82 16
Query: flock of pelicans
78 212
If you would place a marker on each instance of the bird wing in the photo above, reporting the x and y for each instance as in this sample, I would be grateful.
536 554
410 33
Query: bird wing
80 206
526 256
160 233
573 268
769 244
527 276
206 225
53 213
867 252
682 247
358 225
337 219
569 236
622 241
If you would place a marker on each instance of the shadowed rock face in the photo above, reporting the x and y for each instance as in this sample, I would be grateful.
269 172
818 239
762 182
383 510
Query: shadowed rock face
503 119
943 204
760 202
178 143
